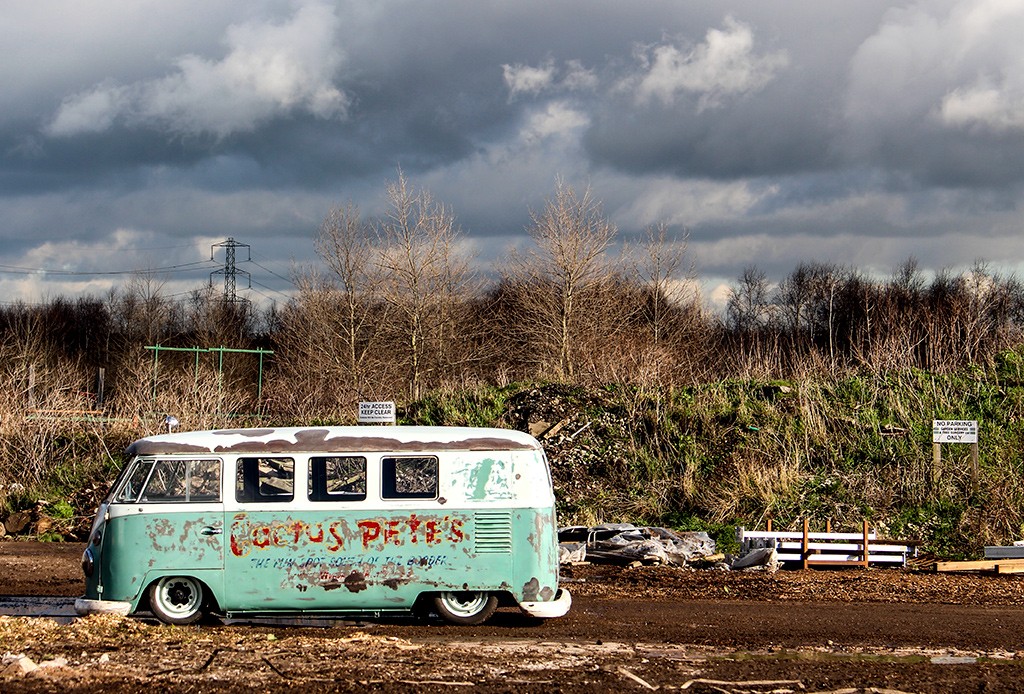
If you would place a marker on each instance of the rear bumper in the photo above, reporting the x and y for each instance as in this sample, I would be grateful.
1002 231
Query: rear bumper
552 608
85 606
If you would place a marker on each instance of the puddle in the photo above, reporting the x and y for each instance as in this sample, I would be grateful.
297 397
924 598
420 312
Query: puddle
58 608
954 660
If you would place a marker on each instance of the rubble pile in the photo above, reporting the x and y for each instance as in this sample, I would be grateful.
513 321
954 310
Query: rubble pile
583 432
625 543
20 517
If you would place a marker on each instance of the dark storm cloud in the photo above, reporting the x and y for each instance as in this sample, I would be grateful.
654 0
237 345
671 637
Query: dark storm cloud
757 138
772 131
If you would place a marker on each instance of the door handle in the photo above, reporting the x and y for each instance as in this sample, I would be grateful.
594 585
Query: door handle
209 530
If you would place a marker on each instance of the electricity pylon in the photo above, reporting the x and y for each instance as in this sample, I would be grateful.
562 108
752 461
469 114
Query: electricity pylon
230 272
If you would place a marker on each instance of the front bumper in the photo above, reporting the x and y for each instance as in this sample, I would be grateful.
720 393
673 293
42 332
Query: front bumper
552 608
85 606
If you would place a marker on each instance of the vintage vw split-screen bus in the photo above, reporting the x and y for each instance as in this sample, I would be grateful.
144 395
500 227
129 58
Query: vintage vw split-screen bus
327 520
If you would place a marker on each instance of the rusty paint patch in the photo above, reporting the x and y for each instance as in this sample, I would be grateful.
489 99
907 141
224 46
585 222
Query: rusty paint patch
355 582
531 590
319 440
396 583
144 447
243 432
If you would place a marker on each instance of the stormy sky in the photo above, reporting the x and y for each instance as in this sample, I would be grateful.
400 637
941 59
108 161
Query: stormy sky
135 134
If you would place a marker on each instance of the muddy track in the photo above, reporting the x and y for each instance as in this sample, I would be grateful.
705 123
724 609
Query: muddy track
629 630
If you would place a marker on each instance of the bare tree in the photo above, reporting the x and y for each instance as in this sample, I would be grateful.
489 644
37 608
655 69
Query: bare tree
311 376
212 321
658 268
807 305
571 237
753 327
671 338
140 311
748 309
423 273
345 244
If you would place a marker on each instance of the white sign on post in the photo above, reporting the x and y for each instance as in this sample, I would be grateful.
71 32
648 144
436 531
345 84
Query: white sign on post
376 413
954 431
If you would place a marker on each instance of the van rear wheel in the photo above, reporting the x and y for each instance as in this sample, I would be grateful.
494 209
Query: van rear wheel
465 607
177 599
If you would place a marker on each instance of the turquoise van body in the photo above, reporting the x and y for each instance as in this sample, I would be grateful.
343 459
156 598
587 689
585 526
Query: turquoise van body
326 520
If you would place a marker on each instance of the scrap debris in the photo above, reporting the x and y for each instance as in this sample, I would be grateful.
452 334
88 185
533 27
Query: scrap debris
999 566
625 543
999 559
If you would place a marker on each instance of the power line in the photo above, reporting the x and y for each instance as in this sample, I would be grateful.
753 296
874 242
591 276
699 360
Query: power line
229 270
20 270
271 272
269 289
269 298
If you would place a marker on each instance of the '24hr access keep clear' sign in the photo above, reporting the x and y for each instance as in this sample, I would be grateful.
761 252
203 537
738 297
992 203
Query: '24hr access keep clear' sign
954 431
376 412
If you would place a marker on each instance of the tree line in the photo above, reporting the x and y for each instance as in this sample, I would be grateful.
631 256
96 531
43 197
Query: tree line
395 309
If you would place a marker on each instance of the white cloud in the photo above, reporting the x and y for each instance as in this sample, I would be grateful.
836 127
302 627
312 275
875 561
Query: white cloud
557 118
689 203
724 64
524 79
959 64
578 78
90 112
997 108
269 69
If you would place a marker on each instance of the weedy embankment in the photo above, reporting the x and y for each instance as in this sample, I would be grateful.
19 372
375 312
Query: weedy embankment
710 456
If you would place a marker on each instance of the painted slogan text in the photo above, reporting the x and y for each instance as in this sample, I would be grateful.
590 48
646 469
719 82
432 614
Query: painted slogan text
370 534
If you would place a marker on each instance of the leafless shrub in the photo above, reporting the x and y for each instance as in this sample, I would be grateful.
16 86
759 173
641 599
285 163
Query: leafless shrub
561 282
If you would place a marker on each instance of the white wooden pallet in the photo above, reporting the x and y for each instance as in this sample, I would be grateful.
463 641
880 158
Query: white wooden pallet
828 548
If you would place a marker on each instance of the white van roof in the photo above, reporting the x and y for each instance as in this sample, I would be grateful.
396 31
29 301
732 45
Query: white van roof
331 439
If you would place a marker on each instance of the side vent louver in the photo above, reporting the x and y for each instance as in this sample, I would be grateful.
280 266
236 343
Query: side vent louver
493 532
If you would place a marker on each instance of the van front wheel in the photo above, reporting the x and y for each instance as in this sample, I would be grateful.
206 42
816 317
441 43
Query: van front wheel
177 599
465 607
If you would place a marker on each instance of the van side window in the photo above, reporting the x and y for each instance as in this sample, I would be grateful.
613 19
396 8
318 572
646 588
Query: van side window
173 481
204 481
167 483
337 478
409 478
265 479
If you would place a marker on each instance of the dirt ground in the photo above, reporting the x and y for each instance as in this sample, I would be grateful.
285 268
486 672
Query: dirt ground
629 630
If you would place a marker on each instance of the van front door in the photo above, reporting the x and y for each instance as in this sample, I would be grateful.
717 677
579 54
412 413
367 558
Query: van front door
167 520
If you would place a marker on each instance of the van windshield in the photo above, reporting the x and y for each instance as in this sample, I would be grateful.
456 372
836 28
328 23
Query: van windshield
116 485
